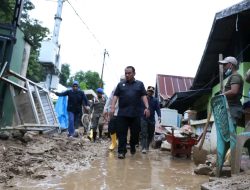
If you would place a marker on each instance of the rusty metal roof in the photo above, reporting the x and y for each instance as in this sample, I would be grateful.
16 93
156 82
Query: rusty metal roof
167 85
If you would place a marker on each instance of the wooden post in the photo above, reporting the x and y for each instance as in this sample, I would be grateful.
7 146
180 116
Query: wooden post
221 74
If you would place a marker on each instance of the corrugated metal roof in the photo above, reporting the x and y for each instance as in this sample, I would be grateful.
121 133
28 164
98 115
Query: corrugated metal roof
167 85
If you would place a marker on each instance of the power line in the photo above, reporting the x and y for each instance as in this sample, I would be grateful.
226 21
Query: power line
93 35
52 0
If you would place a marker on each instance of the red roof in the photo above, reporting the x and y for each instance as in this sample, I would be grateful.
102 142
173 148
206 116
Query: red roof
167 85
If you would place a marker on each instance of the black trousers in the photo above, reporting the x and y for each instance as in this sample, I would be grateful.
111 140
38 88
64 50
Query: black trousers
147 132
123 123
112 125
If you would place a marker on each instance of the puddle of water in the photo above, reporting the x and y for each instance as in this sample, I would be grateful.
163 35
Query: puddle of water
156 170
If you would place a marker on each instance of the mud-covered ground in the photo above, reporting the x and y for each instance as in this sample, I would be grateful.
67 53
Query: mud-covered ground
35 156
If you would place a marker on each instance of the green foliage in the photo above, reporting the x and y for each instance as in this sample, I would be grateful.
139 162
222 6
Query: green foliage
64 75
35 71
7 11
93 80
87 80
34 32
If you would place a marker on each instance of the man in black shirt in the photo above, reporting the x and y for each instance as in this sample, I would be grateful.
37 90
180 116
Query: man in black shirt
129 93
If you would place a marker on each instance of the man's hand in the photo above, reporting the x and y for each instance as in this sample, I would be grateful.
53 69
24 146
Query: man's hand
146 112
159 119
53 91
106 115
87 109
112 111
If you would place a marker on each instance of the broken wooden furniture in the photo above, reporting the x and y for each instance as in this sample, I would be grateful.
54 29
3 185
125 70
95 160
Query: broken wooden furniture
226 135
32 104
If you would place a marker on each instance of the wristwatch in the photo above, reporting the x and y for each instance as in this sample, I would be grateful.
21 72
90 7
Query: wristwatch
147 108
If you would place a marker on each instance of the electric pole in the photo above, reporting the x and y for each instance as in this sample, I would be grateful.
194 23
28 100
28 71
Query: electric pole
104 56
49 55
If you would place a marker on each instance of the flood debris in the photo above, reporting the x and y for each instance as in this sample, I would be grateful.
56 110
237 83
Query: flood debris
237 182
34 156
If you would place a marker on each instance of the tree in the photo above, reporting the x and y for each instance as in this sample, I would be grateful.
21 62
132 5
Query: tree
64 75
87 80
7 11
34 32
92 80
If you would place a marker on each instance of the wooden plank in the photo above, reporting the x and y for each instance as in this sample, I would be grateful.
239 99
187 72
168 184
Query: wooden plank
24 108
32 102
25 79
25 128
37 125
12 92
13 83
3 69
221 74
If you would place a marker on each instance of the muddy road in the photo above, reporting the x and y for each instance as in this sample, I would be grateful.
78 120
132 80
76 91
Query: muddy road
155 170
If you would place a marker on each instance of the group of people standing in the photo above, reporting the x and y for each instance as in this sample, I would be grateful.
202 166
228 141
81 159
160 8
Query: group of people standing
130 106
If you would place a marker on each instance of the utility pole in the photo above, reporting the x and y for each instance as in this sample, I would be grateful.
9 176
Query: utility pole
50 52
104 56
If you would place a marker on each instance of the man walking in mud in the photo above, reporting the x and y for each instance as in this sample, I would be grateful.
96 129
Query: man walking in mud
129 93
97 109
76 99
112 121
148 124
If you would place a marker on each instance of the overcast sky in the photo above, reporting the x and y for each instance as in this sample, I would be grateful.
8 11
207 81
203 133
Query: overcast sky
154 36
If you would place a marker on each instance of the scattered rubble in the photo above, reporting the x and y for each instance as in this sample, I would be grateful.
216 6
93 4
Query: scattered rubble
35 156
237 182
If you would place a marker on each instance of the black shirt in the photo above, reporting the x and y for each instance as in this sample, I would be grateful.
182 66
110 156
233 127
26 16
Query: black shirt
76 99
130 94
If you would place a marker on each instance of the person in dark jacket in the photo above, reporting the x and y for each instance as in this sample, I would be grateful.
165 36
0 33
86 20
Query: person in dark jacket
76 99
148 123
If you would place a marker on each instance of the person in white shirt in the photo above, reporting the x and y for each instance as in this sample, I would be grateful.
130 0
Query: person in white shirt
112 121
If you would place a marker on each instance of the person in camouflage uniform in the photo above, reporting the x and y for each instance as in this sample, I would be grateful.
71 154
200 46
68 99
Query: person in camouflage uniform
97 116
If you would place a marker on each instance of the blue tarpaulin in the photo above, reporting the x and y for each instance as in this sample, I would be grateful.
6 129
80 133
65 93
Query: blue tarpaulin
61 111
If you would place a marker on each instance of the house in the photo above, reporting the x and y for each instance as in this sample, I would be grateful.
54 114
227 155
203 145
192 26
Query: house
229 36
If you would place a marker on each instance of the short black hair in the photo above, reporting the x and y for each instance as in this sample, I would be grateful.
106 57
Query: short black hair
131 67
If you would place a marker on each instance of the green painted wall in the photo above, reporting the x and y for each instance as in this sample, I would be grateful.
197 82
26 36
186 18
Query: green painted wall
242 71
203 103
15 65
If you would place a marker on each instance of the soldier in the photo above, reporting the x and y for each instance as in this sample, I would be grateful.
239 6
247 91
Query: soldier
97 117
